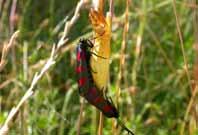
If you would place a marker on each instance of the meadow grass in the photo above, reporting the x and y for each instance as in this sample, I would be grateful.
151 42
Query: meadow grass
155 86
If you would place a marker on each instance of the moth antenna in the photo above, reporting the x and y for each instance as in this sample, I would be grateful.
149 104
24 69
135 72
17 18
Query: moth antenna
124 127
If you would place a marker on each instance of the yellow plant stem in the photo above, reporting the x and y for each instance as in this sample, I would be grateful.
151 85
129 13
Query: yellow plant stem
122 60
100 127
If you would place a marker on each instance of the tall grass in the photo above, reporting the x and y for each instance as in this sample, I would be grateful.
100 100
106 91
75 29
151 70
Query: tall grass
157 90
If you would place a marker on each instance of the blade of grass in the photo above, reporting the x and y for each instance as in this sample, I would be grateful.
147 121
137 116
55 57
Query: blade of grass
6 49
138 44
122 66
183 124
82 103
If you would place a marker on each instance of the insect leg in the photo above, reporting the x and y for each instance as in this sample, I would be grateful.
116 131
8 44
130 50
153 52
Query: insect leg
97 55
93 70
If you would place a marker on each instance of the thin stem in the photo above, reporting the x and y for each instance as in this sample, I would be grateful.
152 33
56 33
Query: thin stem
80 116
122 65
181 41
12 15
12 21
111 9
6 49
123 47
25 61
186 67
101 121
138 44
24 112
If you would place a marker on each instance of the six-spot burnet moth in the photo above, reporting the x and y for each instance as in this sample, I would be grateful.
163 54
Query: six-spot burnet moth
87 88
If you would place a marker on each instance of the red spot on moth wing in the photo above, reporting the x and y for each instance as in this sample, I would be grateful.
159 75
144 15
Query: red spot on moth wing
107 108
80 55
82 81
91 94
80 69
98 100
93 91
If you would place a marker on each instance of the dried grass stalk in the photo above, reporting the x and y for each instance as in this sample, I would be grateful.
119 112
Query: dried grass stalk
6 49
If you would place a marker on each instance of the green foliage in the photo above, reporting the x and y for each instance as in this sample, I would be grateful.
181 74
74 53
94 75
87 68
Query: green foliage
162 91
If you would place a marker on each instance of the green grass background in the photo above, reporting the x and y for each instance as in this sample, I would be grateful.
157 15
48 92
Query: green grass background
162 92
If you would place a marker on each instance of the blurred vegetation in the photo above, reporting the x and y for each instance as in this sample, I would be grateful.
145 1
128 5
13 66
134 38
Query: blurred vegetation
154 94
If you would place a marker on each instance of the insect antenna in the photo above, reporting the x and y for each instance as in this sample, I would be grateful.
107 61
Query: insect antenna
124 127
